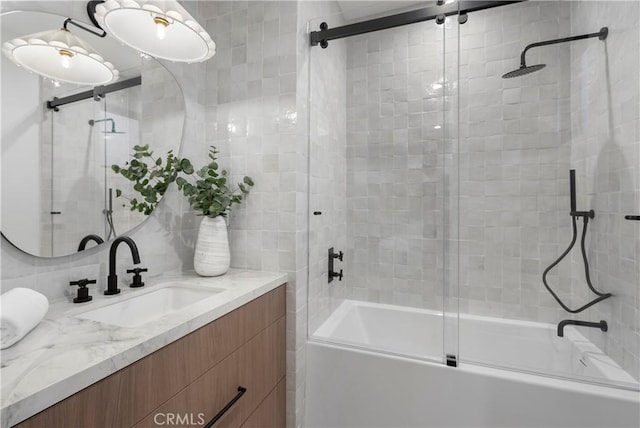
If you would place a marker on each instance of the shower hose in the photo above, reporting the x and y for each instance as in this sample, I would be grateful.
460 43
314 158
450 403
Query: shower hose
601 296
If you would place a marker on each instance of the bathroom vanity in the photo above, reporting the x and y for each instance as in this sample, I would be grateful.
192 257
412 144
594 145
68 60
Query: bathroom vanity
184 369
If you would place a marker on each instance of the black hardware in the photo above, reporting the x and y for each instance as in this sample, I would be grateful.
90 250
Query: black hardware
440 19
83 291
586 215
602 325
602 35
95 93
82 27
632 217
55 212
112 279
524 69
452 360
137 279
336 275
317 213
325 34
83 243
463 18
331 272
91 11
241 391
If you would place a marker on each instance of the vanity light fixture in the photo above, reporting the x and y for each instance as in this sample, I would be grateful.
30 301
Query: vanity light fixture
62 56
160 28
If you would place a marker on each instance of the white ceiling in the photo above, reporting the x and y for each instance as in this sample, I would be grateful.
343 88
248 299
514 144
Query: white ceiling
358 10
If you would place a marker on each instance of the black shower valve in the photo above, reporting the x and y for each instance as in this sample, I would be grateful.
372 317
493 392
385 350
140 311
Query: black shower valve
338 256
337 275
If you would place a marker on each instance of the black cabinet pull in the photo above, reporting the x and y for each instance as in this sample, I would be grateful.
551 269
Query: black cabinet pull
241 391
632 217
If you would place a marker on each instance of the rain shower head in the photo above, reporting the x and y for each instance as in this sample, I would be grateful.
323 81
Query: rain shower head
524 69
113 125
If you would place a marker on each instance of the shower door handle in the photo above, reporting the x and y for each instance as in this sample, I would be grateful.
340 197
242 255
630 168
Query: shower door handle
632 217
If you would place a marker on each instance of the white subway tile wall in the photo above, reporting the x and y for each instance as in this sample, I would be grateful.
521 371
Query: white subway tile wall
395 87
252 117
514 162
605 152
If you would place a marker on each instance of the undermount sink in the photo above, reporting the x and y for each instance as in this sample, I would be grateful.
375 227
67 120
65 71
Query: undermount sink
143 308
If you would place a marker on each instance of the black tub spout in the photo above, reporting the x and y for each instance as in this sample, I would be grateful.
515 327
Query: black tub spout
602 325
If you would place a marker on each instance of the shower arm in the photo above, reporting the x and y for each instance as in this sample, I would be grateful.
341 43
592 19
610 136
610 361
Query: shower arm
113 123
602 34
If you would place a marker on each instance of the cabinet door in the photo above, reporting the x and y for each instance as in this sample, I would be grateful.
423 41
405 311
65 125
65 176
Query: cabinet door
257 366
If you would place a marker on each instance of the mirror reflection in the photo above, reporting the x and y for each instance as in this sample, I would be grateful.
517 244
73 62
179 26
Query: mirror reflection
59 141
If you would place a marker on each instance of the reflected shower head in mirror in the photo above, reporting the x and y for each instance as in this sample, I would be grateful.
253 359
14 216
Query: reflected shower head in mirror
113 125
524 69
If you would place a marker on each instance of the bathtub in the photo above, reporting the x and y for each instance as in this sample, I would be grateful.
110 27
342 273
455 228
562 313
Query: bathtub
387 371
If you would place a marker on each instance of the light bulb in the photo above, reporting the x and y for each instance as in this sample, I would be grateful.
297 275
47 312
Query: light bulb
161 27
66 55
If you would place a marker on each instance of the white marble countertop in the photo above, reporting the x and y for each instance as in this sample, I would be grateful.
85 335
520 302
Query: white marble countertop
65 354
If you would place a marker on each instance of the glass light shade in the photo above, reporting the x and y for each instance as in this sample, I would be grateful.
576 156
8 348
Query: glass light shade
62 56
160 28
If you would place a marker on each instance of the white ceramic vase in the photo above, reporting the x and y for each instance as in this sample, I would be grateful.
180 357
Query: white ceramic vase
212 257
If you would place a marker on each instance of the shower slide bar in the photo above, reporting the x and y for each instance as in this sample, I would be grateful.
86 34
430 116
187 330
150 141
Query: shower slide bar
96 93
438 13
586 215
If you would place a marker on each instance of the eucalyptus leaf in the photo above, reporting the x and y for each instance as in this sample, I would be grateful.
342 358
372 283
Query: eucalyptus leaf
208 194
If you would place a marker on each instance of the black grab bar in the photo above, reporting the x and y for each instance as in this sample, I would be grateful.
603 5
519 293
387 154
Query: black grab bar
586 215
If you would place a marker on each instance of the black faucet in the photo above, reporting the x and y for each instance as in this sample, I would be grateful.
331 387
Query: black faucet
602 325
112 279
83 243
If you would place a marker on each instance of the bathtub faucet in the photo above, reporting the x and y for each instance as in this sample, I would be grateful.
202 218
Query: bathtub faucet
602 325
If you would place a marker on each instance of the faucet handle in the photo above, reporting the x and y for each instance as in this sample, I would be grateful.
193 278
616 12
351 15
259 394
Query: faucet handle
137 279
83 291
82 283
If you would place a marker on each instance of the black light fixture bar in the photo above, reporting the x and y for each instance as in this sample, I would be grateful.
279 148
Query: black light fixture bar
428 13
68 21
97 92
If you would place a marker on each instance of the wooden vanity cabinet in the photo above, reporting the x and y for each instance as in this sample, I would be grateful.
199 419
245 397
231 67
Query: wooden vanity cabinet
189 381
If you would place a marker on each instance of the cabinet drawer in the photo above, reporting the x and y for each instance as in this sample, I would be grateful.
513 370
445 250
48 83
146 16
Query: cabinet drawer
257 366
272 412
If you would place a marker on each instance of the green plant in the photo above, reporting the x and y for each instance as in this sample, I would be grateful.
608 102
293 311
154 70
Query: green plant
208 194
151 176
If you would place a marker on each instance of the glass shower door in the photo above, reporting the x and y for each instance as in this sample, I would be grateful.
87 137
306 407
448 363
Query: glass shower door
380 142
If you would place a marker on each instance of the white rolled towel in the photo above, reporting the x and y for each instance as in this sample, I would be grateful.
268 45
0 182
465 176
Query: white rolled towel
22 310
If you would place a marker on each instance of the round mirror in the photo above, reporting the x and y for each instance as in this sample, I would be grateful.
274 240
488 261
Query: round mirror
59 141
